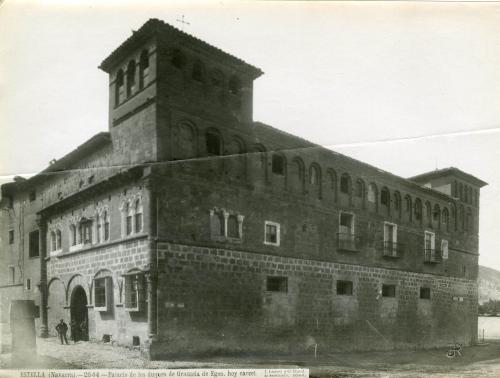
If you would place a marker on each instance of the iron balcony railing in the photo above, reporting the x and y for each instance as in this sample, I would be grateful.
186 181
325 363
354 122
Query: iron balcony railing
392 249
432 256
347 242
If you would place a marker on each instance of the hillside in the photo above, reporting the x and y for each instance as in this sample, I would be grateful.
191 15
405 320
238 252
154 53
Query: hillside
489 284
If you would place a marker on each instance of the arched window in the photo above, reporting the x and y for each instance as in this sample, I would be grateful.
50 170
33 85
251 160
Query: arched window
313 175
359 190
345 183
178 59
58 239
213 143
119 87
73 236
53 246
428 213
130 78
278 164
436 216
297 175
143 69
128 219
446 219
234 85
106 225
197 73
98 228
385 197
331 176
397 204
138 215
418 210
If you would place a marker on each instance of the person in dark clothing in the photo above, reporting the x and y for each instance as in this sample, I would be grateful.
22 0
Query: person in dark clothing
84 330
61 329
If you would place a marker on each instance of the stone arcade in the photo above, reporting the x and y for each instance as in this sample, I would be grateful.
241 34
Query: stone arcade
189 228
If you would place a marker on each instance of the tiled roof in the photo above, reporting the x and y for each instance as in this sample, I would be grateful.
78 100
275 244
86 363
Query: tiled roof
448 171
153 27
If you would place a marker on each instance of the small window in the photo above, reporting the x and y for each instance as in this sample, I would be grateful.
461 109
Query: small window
91 179
136 341
346 223
272 233
213 144
119 92
277 284
72 231
143 69
372 193
11 236
28 284
232 226
389 290
86 231
425 293
32 196
34 244
313 175
359 190
278 165
134 292
106 226
344 287
217 224
101 293
138 216
36 312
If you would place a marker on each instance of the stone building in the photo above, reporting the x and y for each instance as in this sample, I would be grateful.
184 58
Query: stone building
189 228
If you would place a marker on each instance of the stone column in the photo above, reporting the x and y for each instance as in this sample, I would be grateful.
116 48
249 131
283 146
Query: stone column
42 242
152 308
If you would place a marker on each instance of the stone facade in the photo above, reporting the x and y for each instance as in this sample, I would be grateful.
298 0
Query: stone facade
190 228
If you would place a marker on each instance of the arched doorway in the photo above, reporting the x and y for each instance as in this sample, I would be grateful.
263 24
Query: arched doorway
79 314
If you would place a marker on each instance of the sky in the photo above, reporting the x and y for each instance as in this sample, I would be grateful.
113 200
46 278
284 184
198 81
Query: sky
408 87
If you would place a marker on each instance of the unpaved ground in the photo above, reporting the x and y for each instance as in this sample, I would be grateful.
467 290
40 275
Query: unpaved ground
477 361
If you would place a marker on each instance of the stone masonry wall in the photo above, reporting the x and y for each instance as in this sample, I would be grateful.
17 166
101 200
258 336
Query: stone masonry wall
216 300
69 270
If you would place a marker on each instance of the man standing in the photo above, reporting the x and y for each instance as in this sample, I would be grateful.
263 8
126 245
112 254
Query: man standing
61 329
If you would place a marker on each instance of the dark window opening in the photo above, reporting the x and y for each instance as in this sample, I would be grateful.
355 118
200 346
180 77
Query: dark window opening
232 227
106 338
37 312
91 179
100 292
178 59
213 144
32 196
384 197
346 223
11 236
86 232
131 78
28 284
344 184
34 244
129 224
119 93
136 341
388 290
425 293
271 233
134 286
359 190
278 165
344 287
277 284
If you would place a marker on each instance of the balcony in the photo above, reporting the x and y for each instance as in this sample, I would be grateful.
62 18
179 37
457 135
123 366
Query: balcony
348 242
432 256
392 250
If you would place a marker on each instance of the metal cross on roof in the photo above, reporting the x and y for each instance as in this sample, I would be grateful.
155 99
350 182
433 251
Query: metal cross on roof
183 22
